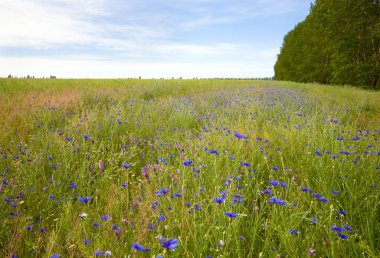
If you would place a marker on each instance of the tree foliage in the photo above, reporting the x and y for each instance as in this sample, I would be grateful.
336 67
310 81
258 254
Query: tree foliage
338 42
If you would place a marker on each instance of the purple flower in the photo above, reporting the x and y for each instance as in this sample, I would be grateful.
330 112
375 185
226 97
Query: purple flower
334 191
214 152
318 153
275 168
337 229
55 256
231 215
170 244
116 228
292 231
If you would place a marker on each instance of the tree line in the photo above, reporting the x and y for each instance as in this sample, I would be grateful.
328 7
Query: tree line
337 43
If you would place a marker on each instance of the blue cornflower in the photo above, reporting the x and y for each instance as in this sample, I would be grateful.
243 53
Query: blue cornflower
154 205
55 256
69 139
161 218
116 228
245 164
240 136
348 228
334 192
139 247
170 244
126 165
274 182
214 152
337 229
197 207
73 185
322 199
318 153
151 226
275 200
355 138
96 224
314 220
98 253
219 200
86 241
105 217
305 189
85 199
275 168
342 236
42 230
231 215
293 231
342 212
187 162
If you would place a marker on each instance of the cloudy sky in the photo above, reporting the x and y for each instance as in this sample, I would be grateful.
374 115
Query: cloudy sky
148 38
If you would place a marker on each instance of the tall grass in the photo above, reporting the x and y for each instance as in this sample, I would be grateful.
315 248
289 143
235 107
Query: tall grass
99 165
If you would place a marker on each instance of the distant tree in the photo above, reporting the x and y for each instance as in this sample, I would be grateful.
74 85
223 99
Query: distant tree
338 42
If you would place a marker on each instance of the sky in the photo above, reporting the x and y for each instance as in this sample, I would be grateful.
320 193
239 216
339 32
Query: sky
147 38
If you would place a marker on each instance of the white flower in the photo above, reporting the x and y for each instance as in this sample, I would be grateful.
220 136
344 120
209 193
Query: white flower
83 215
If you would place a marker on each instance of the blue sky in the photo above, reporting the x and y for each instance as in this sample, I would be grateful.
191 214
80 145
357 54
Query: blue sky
148 38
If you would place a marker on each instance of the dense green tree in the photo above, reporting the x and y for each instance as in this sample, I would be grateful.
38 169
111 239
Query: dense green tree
338 42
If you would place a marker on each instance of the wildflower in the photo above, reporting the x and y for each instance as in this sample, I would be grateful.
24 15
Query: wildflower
219 200
355 138
170 244
73 185
98 253
69 139
116 228
86 241
161 218
83 215
324 200
214 152
293 231
107 253
101 165
29 228
105 217
126 165
187 163
55 256
154 205
348 228
231 215
311 252
151 226
342 212
85 199
220 243
337 229
308 190
42 230
318 153
240 136
334 192
139 247
275 168
275 200
96 224
342 236
314 220
245 164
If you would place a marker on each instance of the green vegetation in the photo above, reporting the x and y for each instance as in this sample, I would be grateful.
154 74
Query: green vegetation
217 168
338 43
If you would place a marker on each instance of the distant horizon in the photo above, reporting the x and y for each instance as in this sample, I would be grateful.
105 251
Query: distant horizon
151 39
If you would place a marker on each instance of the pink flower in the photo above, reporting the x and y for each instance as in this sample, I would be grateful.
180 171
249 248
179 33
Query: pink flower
101 165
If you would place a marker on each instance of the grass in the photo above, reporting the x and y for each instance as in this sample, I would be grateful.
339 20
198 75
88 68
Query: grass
303 178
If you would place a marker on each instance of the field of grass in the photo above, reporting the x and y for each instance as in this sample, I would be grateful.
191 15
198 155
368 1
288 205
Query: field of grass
188 168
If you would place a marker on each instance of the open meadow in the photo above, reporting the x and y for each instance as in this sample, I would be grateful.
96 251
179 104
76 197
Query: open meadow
188 168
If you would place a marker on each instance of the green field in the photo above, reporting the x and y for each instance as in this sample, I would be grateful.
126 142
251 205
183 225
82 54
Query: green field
219 168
